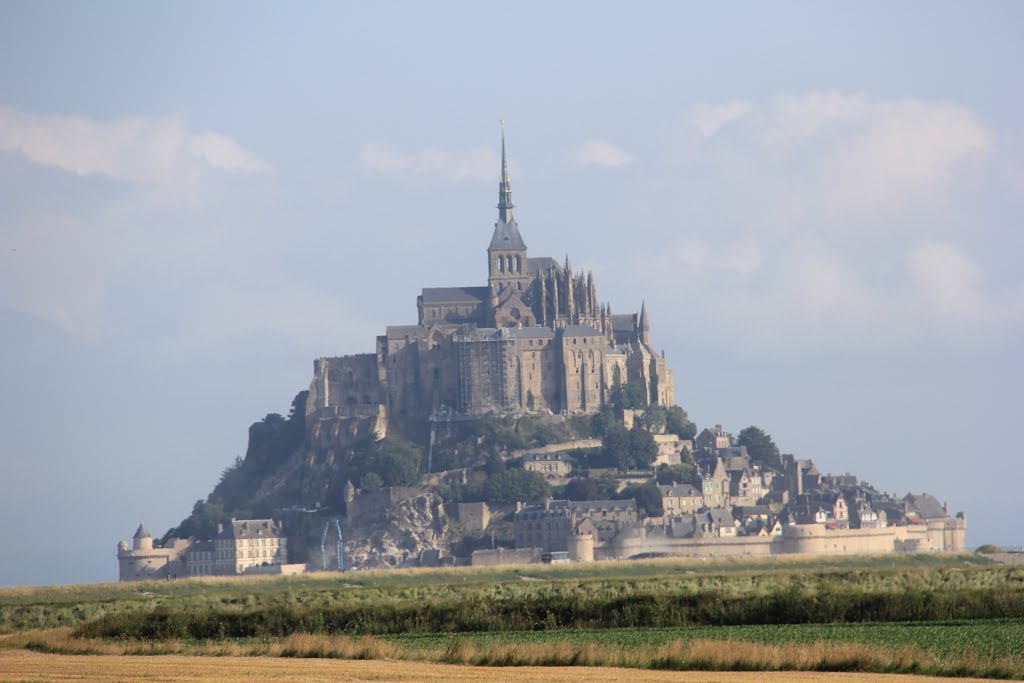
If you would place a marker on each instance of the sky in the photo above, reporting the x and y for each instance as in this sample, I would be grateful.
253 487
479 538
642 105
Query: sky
820 203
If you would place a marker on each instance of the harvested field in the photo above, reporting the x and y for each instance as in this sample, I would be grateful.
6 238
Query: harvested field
19 665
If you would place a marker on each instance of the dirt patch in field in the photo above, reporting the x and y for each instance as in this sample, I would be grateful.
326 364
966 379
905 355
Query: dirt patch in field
20 665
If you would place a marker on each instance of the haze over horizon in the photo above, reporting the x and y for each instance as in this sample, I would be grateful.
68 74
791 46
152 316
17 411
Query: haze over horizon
820 204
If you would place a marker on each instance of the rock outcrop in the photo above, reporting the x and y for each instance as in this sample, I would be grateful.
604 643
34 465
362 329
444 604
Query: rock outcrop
399 534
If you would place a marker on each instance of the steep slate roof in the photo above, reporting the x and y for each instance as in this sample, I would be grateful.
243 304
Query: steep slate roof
679 491
416 331
599 505
721 517
455 295
142 532
624 322
506 236
927 506
251 528
541 263
532 333
581 331
751 510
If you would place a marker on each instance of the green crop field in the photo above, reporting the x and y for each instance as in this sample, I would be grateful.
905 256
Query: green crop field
982 638
955 615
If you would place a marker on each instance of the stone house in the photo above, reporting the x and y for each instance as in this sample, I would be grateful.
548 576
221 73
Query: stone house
710 440
245 543
551 465
549 525
713 480
746 487
680 499
706 523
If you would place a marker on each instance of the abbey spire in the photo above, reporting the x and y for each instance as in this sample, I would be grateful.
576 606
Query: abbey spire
506 256
504 185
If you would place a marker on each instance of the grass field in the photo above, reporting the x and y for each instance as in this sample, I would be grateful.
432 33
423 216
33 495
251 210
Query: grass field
48 607
925 614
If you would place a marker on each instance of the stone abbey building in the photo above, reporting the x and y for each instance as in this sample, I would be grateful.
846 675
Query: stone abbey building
534 338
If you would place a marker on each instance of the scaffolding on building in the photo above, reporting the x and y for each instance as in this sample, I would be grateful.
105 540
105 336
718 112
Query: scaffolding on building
481 357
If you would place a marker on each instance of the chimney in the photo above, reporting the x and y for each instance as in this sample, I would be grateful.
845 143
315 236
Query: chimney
220 527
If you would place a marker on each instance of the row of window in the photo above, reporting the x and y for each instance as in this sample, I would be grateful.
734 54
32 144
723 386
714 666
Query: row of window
510 264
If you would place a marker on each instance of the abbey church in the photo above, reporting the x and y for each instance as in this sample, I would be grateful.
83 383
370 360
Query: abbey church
535 339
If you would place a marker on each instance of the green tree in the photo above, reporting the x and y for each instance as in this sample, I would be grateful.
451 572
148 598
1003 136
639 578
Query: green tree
515 485
629 396
760 447
581 489
616 447
495 464
371 481
674 474
630 449
604 420
647 497
656 418
394 460
678 422
642 447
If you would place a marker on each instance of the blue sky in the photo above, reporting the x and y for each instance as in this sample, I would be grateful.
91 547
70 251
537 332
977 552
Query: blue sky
820 203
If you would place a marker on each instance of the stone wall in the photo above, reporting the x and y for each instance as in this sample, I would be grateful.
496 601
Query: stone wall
474 516
499 556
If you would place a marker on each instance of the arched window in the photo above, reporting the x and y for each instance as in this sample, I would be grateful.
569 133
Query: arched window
501 263
519 265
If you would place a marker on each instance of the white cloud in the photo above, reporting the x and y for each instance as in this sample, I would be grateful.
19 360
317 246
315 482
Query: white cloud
709 119
221 151
806 293
478 163
907 151
741 258
602 153
159 152
946 280
832 153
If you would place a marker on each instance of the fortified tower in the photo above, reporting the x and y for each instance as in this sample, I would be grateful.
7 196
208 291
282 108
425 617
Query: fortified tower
144 560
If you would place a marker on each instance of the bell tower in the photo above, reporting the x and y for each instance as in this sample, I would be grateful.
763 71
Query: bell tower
506 256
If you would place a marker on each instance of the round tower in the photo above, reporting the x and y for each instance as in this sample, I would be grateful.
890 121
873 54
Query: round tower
142 540
581 547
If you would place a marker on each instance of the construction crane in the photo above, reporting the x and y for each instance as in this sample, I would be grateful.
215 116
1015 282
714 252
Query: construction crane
323 545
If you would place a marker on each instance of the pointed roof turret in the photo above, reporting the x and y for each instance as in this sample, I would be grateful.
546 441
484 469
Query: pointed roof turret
645 324
506 233
504 185
142 532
